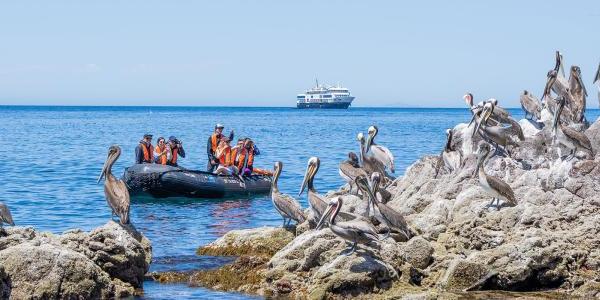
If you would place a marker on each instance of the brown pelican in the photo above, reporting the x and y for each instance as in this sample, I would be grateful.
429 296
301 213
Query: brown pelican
500 115
493 185
561 84
597 80
531 105
287 206
317 203
567 136
380 153
5 216
369 163
350 169
354 231
387 215
578 93
450 158
566 114
498 135
115 190
381 194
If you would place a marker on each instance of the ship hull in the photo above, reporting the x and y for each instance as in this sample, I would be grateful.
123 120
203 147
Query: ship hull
339 105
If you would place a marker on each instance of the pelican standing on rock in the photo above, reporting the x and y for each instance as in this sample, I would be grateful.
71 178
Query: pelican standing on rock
451 159
369 163
498 135
566 114
380 153
493 185
579 94
285 205
531 106
391 218
115 190
350 169
5 216
567 136
354 231
317 203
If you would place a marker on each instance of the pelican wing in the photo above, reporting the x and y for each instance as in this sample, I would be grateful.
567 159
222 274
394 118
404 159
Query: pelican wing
5 215
531 105
393 217
364 229
503 188
117 197
581 138
384 155
317 203
350 171
288 207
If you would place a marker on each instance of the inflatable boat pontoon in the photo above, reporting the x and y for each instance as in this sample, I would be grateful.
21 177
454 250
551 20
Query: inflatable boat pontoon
166 181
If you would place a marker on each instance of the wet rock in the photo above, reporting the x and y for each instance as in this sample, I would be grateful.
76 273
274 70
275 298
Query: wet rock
256 241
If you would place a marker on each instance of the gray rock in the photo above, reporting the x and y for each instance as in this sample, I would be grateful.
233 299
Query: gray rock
418 252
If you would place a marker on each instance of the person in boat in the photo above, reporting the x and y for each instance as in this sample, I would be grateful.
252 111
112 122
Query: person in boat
174 150
211 147
226 157
161 151
245 157
144 150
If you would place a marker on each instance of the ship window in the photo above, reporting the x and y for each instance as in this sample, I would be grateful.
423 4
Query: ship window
300 97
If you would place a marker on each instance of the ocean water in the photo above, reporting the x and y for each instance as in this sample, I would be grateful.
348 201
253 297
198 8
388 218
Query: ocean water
53 156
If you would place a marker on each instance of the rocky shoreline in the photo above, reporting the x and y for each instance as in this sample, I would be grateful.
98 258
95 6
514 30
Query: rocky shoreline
108 262
547 246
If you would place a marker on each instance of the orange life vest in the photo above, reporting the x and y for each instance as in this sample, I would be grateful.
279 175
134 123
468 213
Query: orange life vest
226 158
174 156
148 156
162 159
214 141
242 158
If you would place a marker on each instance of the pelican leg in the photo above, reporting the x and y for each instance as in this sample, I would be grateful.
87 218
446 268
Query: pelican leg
387 234
497 203
572 154
352 249
491 203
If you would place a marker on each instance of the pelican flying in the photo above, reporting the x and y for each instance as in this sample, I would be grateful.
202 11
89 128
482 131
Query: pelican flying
285 205
115 190
354 231
493 185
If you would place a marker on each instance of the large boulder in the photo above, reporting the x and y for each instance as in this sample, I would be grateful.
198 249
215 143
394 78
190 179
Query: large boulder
108 262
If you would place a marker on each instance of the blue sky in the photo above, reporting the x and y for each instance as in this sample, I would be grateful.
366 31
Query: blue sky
389 53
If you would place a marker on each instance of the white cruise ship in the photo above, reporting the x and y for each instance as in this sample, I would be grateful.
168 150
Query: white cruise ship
323 96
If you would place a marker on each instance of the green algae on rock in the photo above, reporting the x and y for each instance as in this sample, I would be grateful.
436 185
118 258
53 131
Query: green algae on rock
256 241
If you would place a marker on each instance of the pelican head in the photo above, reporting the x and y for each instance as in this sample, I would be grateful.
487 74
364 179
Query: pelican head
353 159
362 182
311 169
375 180
448 138
333 208
494 101
576 73
558 61
114 152
468 99
373 130
482 152
549 82
360 137
276 173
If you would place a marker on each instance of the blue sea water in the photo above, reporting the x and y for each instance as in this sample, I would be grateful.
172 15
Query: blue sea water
53 156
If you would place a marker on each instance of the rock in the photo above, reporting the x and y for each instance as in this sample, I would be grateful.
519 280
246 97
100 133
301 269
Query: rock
463 274
47 271
256 241
418 252
530 128
108 262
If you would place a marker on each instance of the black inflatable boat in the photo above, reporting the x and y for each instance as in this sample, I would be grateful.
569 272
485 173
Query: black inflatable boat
165 181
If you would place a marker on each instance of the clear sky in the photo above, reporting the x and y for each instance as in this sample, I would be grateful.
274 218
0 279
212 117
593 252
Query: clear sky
389 53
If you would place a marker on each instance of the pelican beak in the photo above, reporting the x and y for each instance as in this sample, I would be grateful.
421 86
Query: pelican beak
369 142
307 175
103 173
472 119
549 83
325 216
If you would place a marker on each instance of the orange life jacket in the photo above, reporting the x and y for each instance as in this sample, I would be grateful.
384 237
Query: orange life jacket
148 156
162 159
214 141
242 158
174 156
226 158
